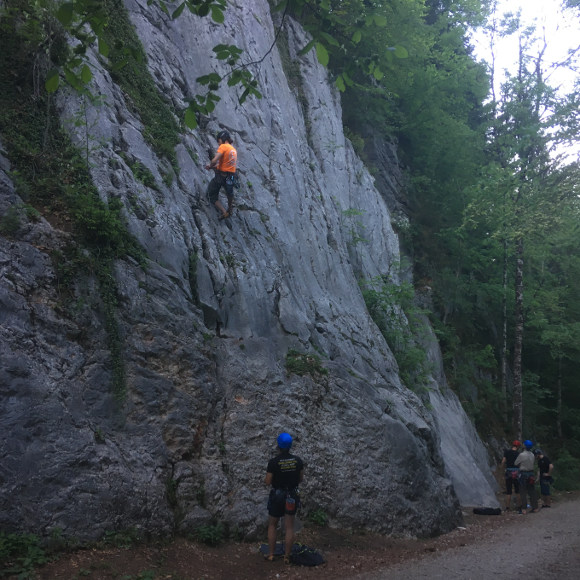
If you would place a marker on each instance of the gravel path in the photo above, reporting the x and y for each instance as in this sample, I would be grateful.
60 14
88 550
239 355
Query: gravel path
544 545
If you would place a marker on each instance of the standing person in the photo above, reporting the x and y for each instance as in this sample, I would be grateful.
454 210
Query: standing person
224 165
284 473
511 473
525 461
545 469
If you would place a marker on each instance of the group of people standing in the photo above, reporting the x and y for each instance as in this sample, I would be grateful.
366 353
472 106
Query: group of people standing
521 476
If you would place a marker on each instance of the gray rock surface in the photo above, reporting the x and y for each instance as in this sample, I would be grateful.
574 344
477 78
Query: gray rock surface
206 327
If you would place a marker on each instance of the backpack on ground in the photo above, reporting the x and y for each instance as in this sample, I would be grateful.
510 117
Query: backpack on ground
487 511
304 556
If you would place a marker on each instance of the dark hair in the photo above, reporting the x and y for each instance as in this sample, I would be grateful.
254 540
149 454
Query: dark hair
224 136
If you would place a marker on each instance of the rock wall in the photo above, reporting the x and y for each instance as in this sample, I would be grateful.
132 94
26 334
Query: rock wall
207 325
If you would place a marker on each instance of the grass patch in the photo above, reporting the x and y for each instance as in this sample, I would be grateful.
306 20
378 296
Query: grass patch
300 363
318 517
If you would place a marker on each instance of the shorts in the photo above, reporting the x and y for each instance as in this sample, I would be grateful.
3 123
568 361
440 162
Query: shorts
545 483
219 181
512 484
277 502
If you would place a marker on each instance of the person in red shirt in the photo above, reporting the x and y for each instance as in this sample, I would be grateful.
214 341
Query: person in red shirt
224 166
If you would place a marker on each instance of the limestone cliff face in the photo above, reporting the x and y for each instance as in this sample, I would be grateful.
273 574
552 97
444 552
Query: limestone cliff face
206 327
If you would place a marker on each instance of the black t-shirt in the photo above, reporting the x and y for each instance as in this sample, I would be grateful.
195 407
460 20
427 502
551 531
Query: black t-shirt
510 456
544 465
286 469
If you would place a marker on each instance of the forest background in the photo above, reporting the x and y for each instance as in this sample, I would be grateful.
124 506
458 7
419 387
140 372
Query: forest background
493 199
490 225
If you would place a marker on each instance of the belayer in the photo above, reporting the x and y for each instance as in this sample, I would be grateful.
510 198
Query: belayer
525 462
224 165
512 473
283 474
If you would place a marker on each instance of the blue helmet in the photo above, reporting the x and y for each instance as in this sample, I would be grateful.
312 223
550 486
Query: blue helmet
284 441
528 444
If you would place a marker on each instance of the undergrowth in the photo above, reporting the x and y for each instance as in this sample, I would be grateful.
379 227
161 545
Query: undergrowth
20 554
52 176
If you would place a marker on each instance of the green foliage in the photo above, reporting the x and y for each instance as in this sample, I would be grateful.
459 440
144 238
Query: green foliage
20 554
211 534
300 363
318 517
355 226
566 471
51 174
10 221
198 7
53 178
391 307
99 436
122 538
129 69
358 142
141 173
339 29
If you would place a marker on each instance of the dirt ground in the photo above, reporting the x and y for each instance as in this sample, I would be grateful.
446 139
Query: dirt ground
347 555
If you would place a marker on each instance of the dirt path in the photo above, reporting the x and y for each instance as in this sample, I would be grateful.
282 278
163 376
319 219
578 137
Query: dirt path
544 545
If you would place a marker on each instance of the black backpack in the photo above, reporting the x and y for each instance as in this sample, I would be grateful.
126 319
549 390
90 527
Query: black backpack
487 511
304 556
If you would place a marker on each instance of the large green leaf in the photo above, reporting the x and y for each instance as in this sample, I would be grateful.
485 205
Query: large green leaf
380 20
217 14
65 14
86 74
401 51
52 81
177 12
104 48
322 54
190 118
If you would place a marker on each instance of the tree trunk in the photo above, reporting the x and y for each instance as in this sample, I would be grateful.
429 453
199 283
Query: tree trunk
559 400
504 401
518 339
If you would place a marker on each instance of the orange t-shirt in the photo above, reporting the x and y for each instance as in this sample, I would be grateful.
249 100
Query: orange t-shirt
228 159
